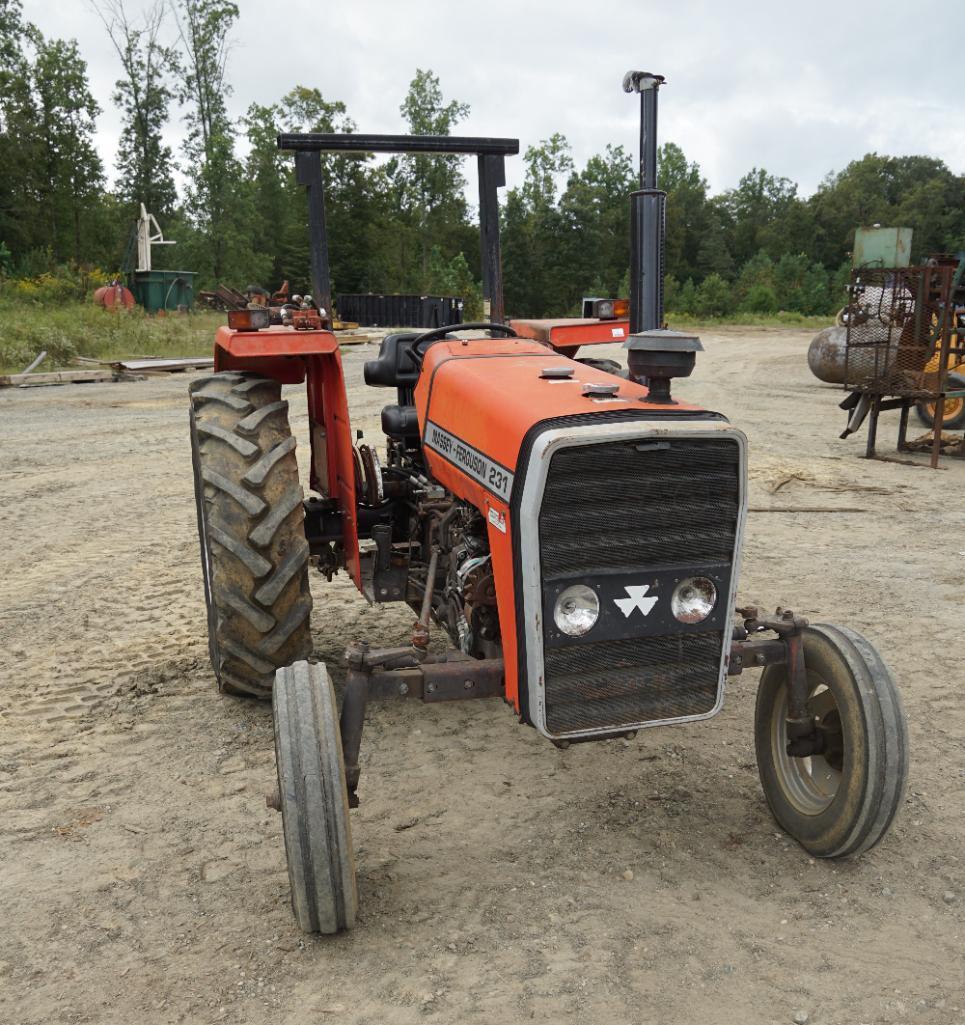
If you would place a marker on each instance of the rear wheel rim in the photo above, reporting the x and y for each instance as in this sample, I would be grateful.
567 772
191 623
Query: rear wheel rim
809 784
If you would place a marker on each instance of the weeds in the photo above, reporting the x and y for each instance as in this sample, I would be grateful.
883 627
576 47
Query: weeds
82 329
75 329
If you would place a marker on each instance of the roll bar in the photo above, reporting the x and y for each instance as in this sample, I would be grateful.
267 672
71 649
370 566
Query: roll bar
490 153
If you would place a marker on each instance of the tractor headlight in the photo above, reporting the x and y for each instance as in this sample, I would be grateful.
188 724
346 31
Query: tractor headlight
693 599
577 609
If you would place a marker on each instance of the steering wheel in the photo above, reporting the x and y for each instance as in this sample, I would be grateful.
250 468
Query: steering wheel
422 343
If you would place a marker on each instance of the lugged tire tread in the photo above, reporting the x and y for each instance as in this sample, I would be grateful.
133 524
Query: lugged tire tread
264 533
251 423
257 474
228 399
257 565
291 564
259 665
251 503
247 384
241 445
258 617
297 615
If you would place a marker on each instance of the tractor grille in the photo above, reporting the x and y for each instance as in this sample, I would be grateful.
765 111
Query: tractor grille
616 505
637 505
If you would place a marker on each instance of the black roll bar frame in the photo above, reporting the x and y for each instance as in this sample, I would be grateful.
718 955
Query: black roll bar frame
490 154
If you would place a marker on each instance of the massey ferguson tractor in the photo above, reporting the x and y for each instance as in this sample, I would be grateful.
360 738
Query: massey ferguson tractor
572 529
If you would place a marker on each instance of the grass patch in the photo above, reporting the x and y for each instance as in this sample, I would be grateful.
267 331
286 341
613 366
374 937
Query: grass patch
82 329
783 319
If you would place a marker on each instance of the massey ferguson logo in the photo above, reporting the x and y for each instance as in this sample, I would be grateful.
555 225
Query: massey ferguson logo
636 599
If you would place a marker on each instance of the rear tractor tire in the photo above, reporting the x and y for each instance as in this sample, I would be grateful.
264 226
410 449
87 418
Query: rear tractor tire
313 799
842 801
254 555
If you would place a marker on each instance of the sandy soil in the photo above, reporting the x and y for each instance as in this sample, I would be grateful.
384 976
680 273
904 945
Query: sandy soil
143 880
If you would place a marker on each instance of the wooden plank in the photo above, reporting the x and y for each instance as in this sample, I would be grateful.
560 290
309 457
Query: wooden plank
357 339
160 363
54 377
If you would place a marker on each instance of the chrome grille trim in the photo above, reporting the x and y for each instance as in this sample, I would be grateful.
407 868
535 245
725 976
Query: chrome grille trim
530 569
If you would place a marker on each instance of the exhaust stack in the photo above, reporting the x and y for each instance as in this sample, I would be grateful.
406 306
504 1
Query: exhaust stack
655 355
647 212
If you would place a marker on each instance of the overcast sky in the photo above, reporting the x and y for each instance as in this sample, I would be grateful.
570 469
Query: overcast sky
797 88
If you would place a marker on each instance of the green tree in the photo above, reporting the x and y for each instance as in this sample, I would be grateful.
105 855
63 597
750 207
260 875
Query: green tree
686 299
218 201
595 226
695 244
713 255
789 274
913 191
535 269
143 95
16 132
454 277
758 271
753 214
715 297
429 189
760 299
815 291
69 175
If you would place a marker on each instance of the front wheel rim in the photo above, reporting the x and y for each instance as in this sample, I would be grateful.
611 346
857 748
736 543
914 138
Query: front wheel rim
810 784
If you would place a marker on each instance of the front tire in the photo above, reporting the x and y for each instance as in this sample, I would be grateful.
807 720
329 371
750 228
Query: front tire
313 797
843 801
254 554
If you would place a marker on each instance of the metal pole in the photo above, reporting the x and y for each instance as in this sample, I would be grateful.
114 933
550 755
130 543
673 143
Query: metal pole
646 84
648 134
647 213
308 172
492 176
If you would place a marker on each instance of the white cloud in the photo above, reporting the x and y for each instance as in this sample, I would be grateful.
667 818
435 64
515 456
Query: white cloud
799 89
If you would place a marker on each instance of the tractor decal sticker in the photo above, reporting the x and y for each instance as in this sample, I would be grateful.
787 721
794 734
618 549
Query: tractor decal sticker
498 520
636 599
471 461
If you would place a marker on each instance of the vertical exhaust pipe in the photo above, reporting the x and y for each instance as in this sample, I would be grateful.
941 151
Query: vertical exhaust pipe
647 212
655 355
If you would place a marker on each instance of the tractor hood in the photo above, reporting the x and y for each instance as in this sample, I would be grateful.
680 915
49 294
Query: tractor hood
478 399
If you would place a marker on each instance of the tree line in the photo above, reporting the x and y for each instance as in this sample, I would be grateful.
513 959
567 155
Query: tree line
402 225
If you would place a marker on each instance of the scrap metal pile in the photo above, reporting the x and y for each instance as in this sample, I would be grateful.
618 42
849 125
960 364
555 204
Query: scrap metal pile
902 336
899 342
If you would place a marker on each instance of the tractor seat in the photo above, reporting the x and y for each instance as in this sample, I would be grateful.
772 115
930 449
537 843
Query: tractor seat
394 368
401 423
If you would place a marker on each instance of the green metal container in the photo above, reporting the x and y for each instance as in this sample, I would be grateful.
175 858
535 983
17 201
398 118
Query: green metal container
882 247
163 289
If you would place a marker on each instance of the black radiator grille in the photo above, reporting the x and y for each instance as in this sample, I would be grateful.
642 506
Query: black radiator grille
626 504
630 505
640 679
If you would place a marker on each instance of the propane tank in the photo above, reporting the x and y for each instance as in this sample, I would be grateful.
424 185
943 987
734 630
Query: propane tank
114 296
826 355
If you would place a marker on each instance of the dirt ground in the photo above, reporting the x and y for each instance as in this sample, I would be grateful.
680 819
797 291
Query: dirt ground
143 879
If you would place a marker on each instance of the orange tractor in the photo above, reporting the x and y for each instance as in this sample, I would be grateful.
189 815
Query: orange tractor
572 528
